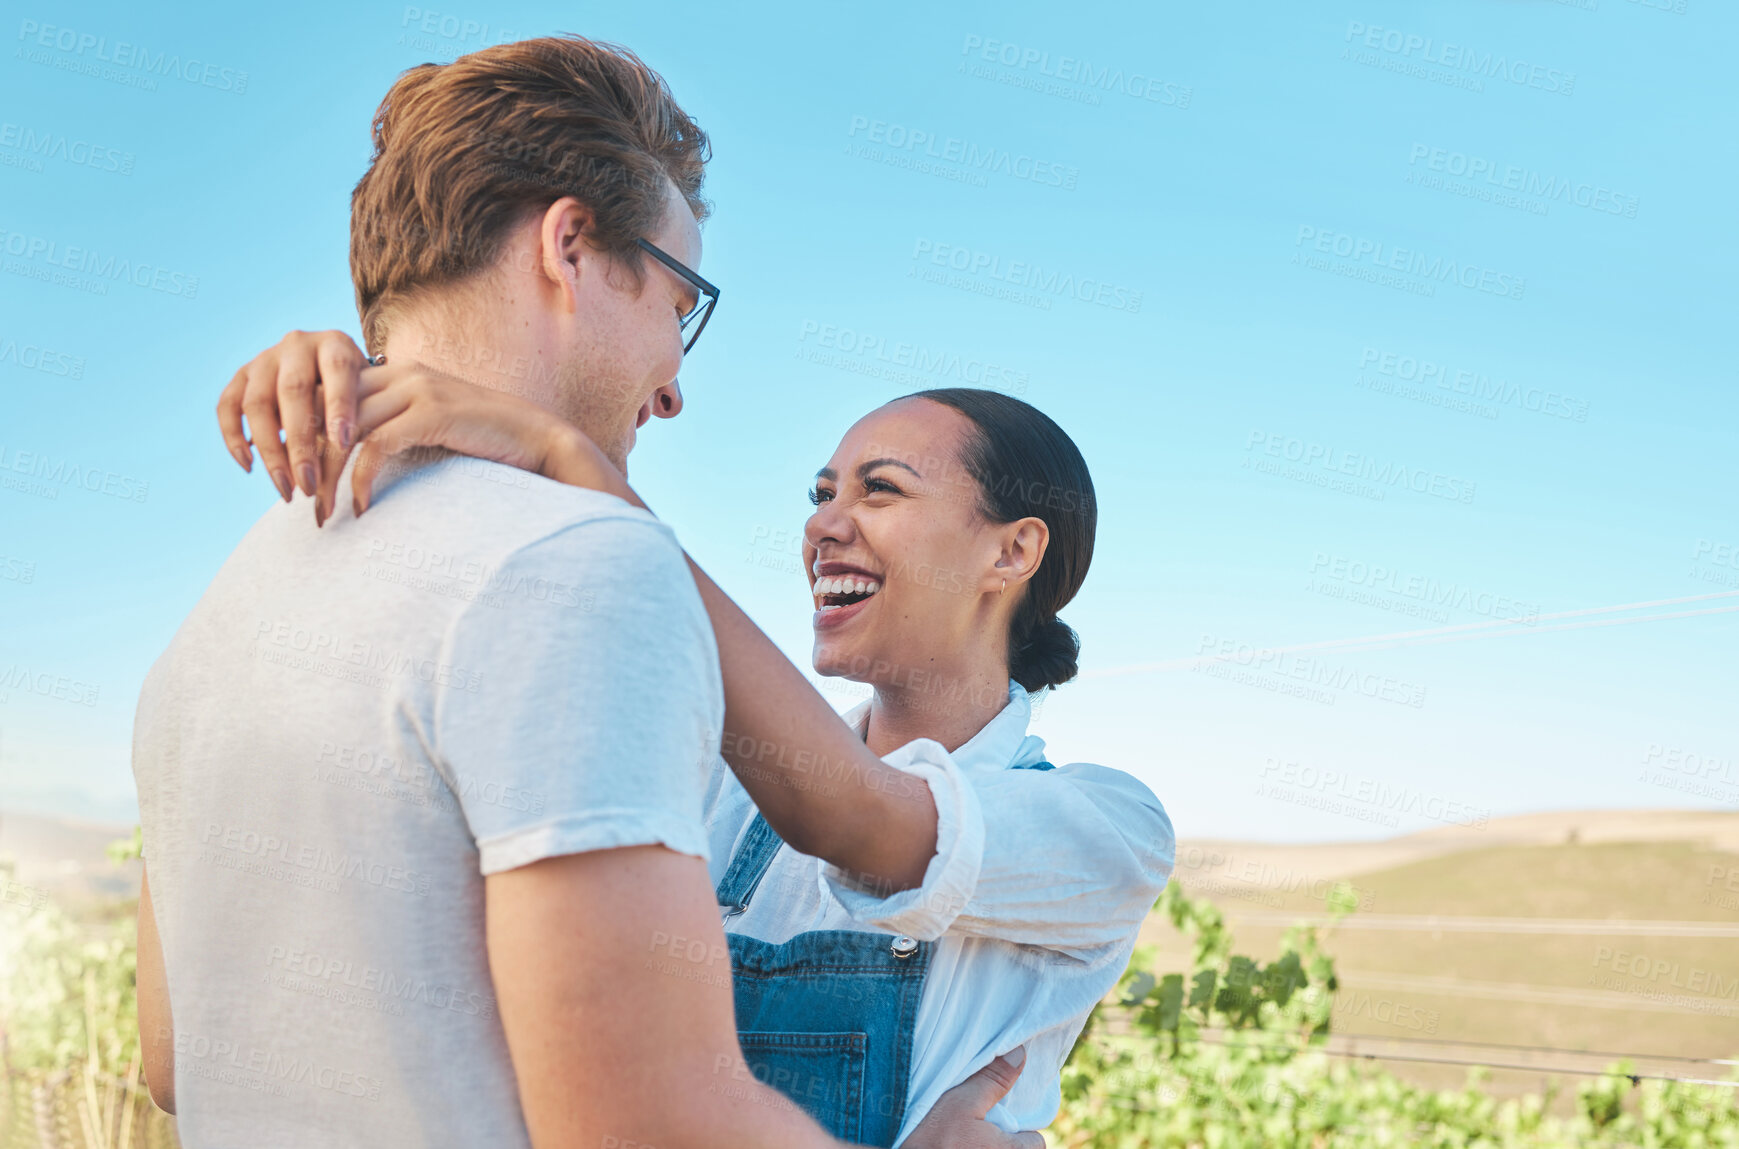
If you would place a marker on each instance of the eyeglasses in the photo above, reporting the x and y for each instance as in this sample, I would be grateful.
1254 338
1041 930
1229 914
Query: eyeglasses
695 321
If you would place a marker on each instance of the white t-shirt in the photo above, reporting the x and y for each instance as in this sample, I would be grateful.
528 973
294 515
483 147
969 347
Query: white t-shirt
355 726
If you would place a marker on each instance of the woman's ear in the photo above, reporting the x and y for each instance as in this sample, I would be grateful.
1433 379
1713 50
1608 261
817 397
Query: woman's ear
1023 548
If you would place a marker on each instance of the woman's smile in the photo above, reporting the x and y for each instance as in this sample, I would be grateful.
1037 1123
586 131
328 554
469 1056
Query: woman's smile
841 592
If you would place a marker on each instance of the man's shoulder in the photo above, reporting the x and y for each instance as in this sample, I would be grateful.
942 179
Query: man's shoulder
437 541
488 511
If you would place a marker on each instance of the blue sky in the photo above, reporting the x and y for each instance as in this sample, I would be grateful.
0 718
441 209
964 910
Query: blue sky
1371 320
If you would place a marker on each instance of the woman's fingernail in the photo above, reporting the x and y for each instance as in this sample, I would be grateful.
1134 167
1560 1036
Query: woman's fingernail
1016 1056
282 482
346 434
309 480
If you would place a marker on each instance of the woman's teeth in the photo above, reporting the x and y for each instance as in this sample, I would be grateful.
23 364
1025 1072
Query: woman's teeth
846 584
831 586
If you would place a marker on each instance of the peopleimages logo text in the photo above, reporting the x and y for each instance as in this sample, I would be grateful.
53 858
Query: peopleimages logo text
1424 588
1375 252
1384 472
1461 58
1216 653
901 361
121 54
30 681
35 357
968 154
67 473
1031 276
1474 383
450 27
1524 181
1073 70
50 145
87 261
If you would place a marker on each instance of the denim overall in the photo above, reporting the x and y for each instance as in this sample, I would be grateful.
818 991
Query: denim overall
827 1017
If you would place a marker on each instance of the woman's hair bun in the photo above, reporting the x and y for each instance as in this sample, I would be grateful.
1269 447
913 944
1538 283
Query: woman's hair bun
1048 657
1027 467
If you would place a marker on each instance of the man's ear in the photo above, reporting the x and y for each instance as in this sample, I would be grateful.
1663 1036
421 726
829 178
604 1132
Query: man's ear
564 242
1023 547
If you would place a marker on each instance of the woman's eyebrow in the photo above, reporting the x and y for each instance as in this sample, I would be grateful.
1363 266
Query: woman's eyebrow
864 469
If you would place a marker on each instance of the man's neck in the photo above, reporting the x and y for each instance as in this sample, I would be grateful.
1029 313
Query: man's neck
478 351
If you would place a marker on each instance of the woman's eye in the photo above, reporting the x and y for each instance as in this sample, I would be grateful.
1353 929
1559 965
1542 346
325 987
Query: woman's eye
818 496
873 485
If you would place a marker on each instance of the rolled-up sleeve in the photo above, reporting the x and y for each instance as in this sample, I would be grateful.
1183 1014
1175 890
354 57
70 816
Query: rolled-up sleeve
1073 858
927 911
1070 859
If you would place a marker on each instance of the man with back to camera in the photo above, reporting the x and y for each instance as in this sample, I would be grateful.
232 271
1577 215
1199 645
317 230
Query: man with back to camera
422 797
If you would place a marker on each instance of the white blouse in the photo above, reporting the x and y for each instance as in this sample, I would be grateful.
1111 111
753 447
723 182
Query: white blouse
1040 881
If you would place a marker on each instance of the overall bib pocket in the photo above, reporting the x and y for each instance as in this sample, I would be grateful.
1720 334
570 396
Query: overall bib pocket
826 1018
821 1072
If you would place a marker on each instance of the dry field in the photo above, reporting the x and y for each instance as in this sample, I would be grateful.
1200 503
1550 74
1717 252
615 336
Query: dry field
1606 931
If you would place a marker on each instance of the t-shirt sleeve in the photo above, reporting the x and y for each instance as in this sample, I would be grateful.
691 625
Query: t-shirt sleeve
591 706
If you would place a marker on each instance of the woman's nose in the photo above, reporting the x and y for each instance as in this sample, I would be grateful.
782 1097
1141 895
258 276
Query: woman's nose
828 524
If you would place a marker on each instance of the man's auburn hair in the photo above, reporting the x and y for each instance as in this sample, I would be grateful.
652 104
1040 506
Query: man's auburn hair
463 151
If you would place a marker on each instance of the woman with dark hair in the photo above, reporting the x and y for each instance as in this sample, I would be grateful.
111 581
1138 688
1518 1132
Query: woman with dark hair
949 529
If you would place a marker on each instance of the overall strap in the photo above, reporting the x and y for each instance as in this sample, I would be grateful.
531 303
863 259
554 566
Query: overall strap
748 865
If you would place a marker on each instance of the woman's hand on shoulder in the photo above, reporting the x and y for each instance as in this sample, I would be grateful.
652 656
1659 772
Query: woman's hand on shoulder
319 392
301 387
